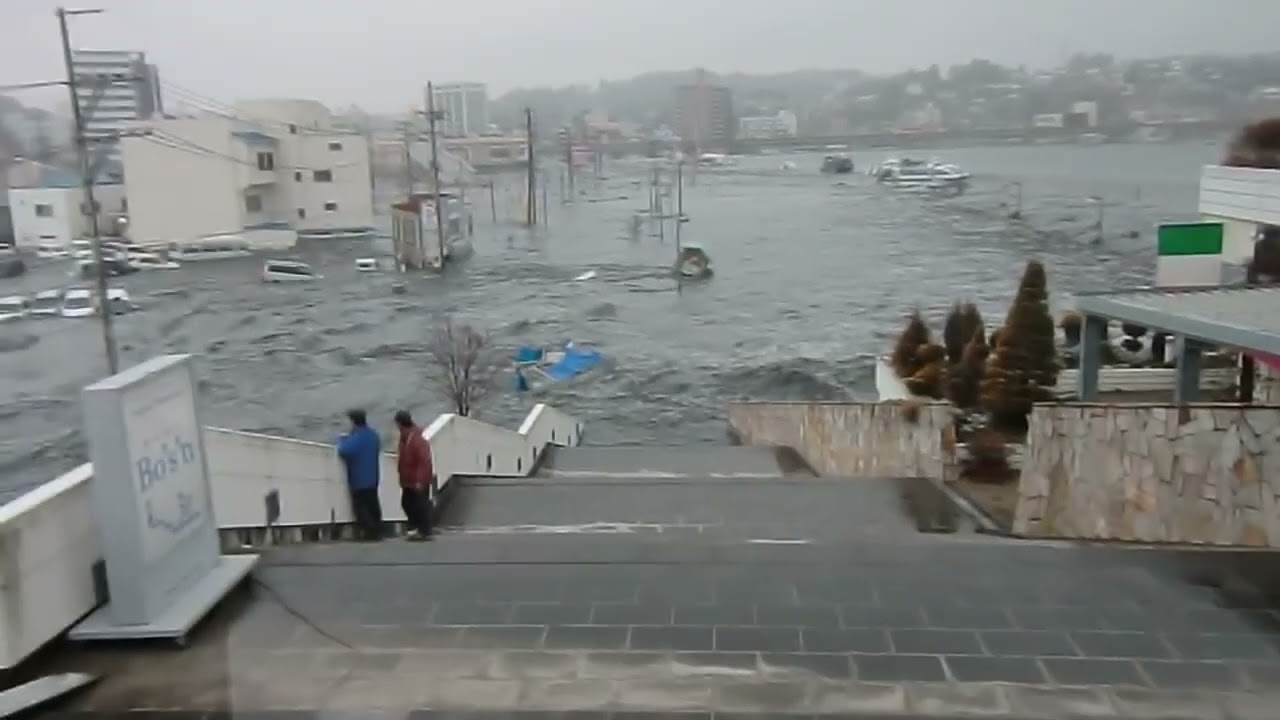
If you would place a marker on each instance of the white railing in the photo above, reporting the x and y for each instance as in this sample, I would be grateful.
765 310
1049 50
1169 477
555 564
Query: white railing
49 541
1110 380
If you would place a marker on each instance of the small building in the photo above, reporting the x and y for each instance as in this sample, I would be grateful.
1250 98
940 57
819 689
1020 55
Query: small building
489 152
413 229
275 167
764 127
48 208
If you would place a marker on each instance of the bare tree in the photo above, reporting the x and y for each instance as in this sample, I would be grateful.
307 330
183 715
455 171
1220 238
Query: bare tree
461 364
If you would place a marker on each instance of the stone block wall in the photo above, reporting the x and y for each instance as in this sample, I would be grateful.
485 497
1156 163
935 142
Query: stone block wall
1204 473
855 440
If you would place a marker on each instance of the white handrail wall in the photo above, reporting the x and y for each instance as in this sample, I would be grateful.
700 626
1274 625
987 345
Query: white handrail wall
49 540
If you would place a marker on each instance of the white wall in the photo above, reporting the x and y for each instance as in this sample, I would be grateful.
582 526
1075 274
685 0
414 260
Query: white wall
67 222
1241 198
183 183
49 540
350 187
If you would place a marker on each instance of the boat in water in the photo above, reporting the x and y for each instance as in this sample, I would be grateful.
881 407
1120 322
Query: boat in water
538 367
922 175
837 164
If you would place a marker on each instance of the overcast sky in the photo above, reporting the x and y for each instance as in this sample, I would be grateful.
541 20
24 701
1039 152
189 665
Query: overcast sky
379 53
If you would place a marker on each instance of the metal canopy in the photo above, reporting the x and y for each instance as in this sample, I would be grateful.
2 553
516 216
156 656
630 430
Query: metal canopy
1247 318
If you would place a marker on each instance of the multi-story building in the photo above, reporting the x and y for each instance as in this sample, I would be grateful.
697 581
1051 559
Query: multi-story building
464 108
48 206
276 165
704 115
114 88
763 127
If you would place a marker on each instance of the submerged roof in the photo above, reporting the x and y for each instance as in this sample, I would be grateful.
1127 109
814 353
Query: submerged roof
1241 317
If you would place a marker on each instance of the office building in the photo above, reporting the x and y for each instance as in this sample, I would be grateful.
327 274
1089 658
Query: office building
704 115
464 108
277 166
114 88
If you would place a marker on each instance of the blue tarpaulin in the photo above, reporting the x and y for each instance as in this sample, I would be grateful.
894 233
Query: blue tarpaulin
574 362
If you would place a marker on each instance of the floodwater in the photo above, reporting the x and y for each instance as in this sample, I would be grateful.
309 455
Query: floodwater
814 276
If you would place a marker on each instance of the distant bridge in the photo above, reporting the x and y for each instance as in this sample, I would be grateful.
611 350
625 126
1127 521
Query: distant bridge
1007 135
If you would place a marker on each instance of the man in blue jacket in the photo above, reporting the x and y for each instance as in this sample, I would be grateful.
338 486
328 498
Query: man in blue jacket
361 452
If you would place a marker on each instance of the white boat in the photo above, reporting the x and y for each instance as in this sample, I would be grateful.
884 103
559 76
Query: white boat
151 261
14 307
921 175
367 264
53 252
214 248
47 303
77 303
287 271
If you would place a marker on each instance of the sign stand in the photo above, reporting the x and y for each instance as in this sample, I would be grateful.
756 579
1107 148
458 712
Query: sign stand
153 505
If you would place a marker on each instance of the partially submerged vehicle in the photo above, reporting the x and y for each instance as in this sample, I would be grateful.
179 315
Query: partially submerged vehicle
538 367
693 263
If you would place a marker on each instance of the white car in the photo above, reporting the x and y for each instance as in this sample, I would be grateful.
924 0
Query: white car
78 303
151 261
287 271
14 307
119 301
367 264
46 303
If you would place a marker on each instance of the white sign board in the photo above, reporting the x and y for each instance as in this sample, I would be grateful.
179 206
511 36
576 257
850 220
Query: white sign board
150 487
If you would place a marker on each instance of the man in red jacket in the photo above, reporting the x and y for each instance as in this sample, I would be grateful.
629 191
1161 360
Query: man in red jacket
413 459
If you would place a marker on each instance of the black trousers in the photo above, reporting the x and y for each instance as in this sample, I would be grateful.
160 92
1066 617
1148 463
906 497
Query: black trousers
416 503
368 511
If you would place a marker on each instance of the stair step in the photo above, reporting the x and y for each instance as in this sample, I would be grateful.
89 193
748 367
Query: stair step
670 462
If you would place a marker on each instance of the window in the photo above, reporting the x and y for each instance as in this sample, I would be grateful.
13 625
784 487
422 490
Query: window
331 207
302 212
266 161
44 210
322 175
335 146
293 129
297 176
253 203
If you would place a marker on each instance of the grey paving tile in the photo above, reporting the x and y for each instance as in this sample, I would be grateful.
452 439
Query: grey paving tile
471 614
967 618
899 668
1056 618
1222 620
691 614
1135 619
1028 642
1092 671
672 637
716 662
845 640
950 700
936 642
551 613
839 699
850 590
975 668
522 664
757 639
1191 673
1029 701
1223 646
1121 645
586 637
774 697
1169 705
512 637
562 695
835 666
823 616
618 664
1260 675
880 616
630 614
664 694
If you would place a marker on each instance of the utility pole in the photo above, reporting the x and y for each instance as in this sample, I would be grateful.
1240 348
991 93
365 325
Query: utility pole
679 204
86 183
568 161
407 139
432 116
531 197
493 202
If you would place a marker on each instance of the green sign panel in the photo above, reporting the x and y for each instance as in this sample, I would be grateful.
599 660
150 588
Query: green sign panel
1189 239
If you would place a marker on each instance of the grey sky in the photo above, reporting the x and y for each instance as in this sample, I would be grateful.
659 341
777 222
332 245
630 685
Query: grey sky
379 53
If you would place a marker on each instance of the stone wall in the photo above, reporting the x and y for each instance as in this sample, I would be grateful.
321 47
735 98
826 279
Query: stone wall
856 440
1266 385
1204 473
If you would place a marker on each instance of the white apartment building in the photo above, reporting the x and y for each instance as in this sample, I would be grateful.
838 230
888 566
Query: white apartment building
276 165
464 107
48 208
114 88
761 127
